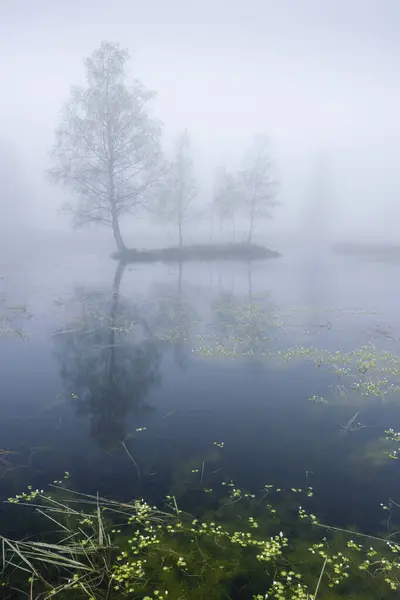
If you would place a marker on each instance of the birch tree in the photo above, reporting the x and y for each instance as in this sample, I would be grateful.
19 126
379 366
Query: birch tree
226 197
107 148
258 189
178 190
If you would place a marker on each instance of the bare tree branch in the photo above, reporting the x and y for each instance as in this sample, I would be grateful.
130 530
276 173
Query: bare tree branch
178 188
258 189
107 148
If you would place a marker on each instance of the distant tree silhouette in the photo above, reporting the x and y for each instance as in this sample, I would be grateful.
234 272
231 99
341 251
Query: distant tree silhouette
178 189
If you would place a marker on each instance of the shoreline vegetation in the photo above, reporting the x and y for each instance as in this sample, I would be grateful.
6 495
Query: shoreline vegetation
240 545
207 252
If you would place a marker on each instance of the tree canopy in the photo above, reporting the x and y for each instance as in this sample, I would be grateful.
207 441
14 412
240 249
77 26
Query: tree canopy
107 148
178 188
251 191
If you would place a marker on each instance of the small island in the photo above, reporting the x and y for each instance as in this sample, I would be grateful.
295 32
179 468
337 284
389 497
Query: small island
206 252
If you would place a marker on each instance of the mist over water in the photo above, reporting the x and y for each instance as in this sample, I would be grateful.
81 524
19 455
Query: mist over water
57 404
161 378
316 80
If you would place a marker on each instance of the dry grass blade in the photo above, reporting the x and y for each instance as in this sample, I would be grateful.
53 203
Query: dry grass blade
111 505
57 561
131 457
53 554
76 548
45 514
320 577
16 551
100 522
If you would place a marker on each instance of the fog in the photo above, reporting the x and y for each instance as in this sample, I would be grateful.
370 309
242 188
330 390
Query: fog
222 334
319 78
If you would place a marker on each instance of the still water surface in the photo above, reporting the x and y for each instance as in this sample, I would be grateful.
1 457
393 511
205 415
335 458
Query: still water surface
90 353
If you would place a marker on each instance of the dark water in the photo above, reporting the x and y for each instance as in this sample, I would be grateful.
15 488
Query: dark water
90 353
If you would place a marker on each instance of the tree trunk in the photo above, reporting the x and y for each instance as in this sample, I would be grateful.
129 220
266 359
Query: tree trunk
250 234
110 361
180 232
112 197
106 422
117 235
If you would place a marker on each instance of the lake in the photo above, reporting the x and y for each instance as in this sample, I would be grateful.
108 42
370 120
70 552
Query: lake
139 381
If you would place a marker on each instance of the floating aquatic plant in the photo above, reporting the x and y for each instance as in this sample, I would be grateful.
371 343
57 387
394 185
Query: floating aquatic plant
111 550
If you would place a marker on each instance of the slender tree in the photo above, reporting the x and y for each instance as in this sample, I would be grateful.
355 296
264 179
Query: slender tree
258 189
107 148
178 189
226 197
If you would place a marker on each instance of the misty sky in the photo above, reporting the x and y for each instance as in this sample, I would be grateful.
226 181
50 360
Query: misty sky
315 75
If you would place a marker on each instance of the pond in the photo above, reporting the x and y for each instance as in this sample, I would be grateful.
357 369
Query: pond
152 380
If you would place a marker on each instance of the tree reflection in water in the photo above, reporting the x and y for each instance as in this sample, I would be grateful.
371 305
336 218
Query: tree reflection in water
175 318
109 360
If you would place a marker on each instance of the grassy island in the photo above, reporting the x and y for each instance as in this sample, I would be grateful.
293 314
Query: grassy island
197 252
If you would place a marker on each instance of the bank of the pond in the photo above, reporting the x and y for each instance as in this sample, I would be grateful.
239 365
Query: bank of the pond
206 252
241 546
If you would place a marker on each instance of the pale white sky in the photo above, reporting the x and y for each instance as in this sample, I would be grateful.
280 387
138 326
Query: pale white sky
315 75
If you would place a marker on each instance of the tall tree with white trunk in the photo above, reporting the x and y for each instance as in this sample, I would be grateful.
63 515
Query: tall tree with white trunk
107 148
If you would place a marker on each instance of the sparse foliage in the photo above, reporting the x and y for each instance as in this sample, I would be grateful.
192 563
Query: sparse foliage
107 148
258 189
250 192
226 197
178 189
